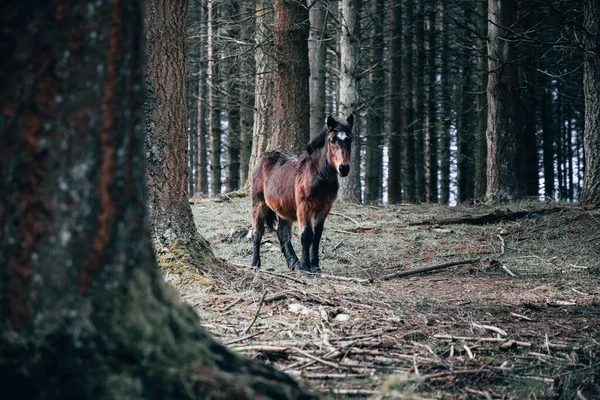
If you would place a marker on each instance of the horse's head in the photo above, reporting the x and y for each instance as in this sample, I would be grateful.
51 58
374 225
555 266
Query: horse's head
339 143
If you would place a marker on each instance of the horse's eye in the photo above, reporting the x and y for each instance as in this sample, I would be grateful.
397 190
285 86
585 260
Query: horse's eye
332 140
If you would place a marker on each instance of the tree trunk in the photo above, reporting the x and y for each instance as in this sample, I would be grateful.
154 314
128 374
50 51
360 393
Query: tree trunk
201 168
232 166
350 189
84 312
193 83
548 140
481 118
591 87
409 129
431 147
446 113
214 103
465 140
291 100
504 177
394 179
317 50
419 103
263 88
171 218
373 155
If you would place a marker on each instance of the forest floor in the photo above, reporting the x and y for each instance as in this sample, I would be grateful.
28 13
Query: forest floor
520 320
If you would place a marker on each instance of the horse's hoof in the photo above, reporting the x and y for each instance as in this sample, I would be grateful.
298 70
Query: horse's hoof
315 270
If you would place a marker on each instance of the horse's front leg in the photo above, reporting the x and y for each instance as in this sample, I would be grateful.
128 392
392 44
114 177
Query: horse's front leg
306 238
314 248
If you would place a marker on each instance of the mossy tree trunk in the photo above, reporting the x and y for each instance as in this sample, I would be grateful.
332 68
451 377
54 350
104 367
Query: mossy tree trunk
84 312
171 219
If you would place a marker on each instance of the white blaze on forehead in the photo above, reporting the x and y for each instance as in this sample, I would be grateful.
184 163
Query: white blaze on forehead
342 135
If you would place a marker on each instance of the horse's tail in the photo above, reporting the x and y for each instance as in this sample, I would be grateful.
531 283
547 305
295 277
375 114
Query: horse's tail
270 219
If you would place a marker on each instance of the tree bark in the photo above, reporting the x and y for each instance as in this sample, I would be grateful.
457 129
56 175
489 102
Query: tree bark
446 112
317 50
263 88
193 86
548 135
202 167
465 165
171 220
408 180
481 98
84 312
246 99
350 188
394 179
504 175
431 123
373 153
232 166
214 101
419 102
291 100
591 87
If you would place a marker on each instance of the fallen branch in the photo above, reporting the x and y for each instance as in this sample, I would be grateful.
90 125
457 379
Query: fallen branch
493 217
340 278
345 216
427 269
227 307
490 328
260 303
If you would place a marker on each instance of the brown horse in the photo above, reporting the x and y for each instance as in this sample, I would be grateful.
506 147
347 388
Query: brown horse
300 189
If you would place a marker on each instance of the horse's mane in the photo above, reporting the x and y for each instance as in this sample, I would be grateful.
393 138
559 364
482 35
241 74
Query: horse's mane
318 142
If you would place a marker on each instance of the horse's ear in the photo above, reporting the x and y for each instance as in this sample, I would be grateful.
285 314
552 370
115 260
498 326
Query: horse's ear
331 122
350 120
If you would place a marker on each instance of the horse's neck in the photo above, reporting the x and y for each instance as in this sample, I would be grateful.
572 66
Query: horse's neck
325 170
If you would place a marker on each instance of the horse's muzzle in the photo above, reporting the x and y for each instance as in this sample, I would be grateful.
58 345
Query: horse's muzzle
344 169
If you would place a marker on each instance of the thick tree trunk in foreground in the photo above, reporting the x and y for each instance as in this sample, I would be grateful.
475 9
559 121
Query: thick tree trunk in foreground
291 100
317 50
394 180
591 87
504 175
349 96
84 312
166 144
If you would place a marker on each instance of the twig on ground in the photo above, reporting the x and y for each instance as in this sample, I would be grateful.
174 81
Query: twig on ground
502 244
345 216
227 307
427 269
490 328
469 352
355 392
340 278
229 342
341 231
260 303
305 354
523 317
257 270
508 271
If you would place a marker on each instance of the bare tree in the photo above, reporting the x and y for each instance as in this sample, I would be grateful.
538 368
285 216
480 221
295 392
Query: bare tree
291 100
317 50
394 181
214 101
350 188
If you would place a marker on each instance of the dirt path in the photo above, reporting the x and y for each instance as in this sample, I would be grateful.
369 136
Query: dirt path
470 331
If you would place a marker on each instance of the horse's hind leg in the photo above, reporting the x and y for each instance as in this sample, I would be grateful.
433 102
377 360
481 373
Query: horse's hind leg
284 233
259 212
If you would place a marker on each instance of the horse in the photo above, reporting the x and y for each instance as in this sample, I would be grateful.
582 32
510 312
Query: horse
302 189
